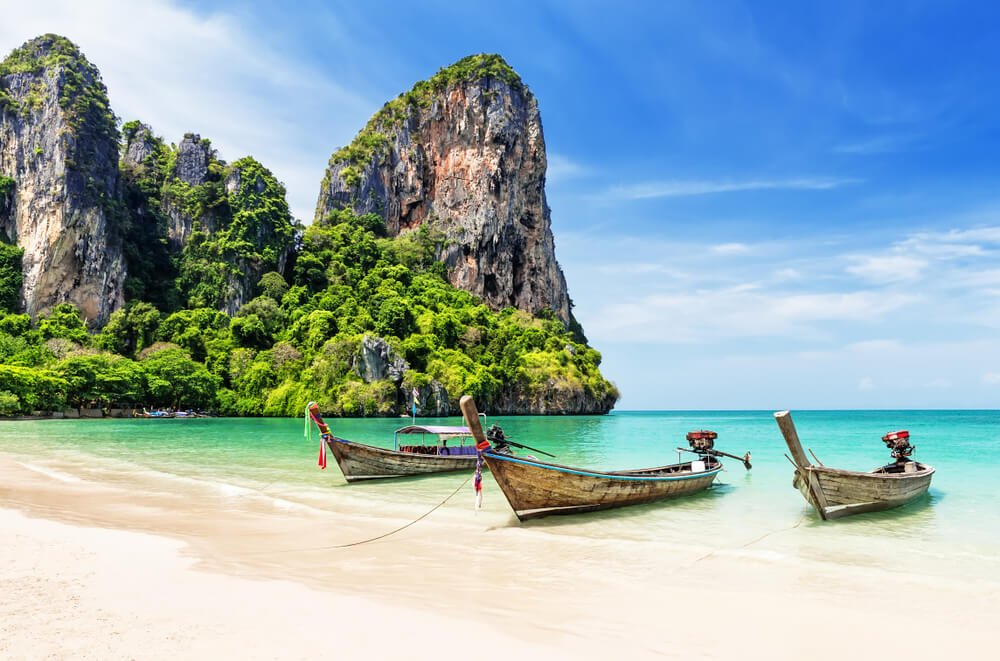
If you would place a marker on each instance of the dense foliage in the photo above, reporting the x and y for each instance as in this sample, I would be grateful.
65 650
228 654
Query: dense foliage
302 340
241 226
11 275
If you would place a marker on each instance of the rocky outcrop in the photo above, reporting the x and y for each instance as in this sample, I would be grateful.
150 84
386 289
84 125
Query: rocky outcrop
258 216
463 153
140 144
553 398
58 143
376 361
432 400
190 171
223 226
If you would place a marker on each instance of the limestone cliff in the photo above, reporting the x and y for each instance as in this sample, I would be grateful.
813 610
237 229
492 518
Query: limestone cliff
221 226
464 153
59 144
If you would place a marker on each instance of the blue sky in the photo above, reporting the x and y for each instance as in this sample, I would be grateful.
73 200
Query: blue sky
757 205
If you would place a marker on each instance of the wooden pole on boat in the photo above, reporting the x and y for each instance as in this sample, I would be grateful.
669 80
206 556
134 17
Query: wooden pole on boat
471 413
787 427
802 465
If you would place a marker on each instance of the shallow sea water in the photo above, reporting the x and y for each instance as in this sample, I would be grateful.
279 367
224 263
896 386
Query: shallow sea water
952 533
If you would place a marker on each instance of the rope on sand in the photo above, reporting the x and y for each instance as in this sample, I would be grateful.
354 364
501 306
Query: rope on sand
753 541
382 536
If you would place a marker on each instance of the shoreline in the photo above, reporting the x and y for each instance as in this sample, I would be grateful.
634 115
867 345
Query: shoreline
496 590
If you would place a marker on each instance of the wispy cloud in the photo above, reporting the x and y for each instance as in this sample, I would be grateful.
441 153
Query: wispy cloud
866 383
562 168
686 188
730 249
888 268
882 144
745 311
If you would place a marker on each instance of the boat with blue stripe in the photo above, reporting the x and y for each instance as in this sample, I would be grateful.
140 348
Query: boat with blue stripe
536 488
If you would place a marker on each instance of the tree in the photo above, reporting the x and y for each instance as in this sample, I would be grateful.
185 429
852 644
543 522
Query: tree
11 276
64 321
173 379
273 285
130 329
257 323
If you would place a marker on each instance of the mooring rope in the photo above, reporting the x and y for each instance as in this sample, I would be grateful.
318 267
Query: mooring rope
753 541
372 539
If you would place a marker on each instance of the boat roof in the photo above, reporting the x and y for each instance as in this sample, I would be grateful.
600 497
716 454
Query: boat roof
440 430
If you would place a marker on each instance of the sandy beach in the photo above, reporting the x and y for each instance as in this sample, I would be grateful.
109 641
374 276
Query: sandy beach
103 570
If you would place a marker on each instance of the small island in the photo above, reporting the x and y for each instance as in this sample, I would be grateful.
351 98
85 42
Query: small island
169 277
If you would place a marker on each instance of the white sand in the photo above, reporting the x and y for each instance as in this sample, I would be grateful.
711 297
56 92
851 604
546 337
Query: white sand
93 570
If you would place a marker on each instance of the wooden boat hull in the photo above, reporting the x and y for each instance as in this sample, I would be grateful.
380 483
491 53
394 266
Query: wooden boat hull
536 489
360 462
836 493
849 492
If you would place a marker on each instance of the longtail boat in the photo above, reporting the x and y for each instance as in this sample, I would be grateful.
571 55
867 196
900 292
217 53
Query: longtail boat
537 488
417 450
836 493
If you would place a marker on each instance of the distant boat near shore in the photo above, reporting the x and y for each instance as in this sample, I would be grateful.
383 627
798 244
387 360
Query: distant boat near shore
164 414
835 493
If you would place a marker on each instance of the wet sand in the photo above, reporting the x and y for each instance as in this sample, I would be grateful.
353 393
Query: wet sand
113 570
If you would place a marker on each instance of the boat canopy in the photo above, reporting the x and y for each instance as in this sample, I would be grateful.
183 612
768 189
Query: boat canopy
439 430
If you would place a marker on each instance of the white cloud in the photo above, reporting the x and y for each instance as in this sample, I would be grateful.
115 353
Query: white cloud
888 268
682 188
731 249
866 384
991 378
744 311
786 274
179 71
562 168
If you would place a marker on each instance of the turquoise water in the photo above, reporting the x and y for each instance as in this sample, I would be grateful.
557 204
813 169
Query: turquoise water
955 530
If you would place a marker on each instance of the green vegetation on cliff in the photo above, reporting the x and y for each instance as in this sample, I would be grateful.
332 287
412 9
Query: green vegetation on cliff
373 140
303 340
7 186
256 228
336 312
11 275
82 96
152 273
240 225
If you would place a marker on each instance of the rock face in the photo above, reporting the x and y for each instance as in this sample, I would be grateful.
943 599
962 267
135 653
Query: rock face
463 153
195 206
139 145
377 361
554 398
256 212
191 168
58 142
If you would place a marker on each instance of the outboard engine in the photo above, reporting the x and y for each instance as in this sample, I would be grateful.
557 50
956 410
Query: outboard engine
898 443
702 440
497 438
